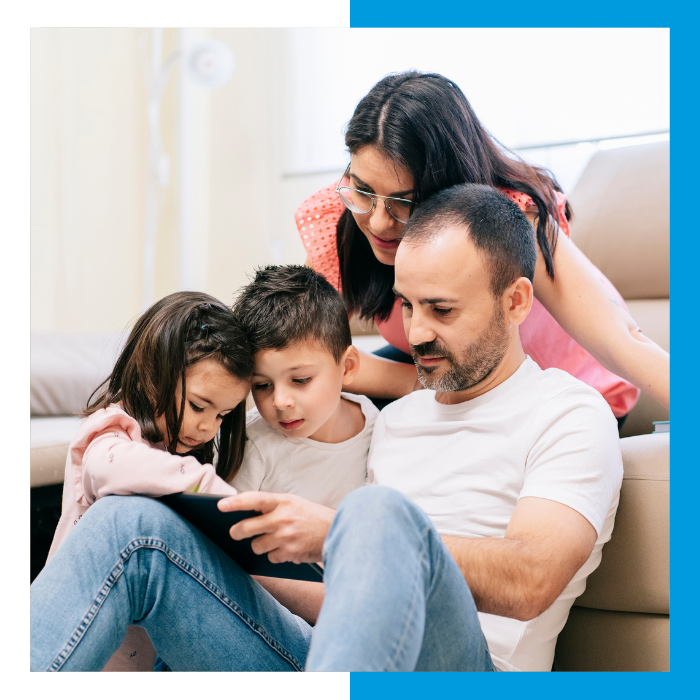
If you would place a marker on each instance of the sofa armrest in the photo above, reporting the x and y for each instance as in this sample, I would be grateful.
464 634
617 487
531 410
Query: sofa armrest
634 572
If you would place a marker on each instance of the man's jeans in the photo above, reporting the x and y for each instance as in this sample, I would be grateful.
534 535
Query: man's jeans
395 599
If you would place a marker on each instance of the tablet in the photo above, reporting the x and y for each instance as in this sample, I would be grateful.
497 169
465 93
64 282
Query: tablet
200 510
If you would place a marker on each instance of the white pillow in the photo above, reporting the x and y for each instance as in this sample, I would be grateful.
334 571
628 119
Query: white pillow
67 367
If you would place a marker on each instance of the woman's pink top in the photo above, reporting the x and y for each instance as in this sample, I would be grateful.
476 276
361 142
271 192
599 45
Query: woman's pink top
543 339
108 456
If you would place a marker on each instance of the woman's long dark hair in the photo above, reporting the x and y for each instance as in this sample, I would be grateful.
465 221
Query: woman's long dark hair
174 334
424 123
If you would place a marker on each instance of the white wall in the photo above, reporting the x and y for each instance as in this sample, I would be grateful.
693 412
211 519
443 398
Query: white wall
87 177
527 86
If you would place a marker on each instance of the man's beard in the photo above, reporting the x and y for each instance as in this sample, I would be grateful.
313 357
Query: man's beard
476 363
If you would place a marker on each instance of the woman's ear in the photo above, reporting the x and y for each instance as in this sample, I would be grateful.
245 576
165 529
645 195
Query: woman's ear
351 364
518 300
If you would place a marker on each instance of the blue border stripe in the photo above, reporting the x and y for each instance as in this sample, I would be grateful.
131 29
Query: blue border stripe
508 13
563 686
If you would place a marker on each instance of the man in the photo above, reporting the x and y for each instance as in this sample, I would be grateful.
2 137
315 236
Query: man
504 482
518 469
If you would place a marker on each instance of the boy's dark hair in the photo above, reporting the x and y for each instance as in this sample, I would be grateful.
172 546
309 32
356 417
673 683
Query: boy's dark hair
493 223
285 304
423 122
172 335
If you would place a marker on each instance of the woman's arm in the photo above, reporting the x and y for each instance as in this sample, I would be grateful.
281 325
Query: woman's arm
383 379
589 313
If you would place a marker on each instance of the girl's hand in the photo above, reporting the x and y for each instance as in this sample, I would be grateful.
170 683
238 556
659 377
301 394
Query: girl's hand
289 529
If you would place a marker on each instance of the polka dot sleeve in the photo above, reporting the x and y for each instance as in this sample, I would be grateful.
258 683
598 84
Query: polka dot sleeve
316 220
524 201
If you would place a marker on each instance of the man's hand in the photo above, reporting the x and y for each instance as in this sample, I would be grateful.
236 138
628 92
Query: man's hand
289 529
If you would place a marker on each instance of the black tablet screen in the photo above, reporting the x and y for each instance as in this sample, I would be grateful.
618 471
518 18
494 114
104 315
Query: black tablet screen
200 510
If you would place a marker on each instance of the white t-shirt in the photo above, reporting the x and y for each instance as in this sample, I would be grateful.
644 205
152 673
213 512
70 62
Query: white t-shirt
539 433
318 471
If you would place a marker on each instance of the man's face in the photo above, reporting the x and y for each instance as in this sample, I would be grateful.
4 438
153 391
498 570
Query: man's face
456 328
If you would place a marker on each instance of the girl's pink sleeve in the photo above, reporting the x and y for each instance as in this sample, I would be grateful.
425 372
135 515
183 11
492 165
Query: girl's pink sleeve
114 461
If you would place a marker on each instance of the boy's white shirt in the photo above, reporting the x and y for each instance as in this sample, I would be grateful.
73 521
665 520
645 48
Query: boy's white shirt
318 471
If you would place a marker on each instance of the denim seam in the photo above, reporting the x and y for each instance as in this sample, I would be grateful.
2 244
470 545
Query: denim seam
181 563
438 571
412 609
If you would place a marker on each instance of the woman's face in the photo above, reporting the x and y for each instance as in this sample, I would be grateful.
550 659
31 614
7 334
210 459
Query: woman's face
371 171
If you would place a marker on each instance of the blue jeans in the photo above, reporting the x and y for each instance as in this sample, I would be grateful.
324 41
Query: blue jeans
395 599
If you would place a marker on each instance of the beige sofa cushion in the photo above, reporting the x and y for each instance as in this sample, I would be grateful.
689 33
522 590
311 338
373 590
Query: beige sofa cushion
622 218
599 640
640 420
634 572
50 437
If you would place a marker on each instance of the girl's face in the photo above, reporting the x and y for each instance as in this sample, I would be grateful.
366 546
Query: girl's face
371 171
211 393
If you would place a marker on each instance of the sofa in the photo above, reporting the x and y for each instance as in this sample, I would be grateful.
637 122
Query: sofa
622 621
621 222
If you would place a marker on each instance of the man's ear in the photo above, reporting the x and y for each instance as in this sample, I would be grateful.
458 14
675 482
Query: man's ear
517 301
351 364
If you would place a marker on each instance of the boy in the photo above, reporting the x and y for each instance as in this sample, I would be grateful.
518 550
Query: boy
305 436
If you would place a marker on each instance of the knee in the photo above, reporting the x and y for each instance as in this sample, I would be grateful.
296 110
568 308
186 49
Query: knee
373 498
132 513
381 508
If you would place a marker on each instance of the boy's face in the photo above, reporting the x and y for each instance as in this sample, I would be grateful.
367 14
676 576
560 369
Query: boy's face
297 389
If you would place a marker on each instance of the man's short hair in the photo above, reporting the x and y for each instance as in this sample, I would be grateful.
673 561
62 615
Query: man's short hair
286 304
493 222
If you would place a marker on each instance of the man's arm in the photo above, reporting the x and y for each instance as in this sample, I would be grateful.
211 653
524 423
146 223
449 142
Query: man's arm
517 576
522 574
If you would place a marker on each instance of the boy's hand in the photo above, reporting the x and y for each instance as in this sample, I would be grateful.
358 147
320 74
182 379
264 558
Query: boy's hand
289 529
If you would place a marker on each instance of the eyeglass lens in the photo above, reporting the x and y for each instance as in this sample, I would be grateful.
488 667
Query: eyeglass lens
362 204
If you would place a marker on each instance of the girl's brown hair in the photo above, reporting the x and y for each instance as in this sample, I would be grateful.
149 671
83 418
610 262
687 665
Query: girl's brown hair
423 122
172 335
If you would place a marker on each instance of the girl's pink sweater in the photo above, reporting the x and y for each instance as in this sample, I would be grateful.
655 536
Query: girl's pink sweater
108 456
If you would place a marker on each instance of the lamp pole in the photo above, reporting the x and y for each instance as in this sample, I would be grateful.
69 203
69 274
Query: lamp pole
208 64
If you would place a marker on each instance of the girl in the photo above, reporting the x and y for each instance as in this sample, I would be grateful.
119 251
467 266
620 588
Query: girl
412 135
176 395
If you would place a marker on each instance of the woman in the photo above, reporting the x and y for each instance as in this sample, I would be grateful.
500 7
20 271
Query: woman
412 135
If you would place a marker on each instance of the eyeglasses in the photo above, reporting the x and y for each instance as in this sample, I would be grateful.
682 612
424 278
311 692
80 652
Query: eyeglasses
363 202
